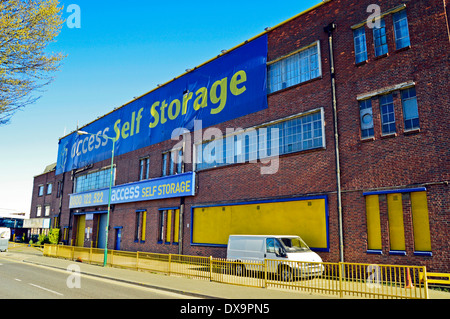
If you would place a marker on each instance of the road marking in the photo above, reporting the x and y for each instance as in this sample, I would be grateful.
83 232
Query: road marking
17 279
54 292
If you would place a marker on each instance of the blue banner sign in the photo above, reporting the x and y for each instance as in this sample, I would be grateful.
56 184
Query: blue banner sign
226 88
180 185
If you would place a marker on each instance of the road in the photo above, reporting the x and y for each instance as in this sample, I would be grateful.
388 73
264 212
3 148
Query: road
20 280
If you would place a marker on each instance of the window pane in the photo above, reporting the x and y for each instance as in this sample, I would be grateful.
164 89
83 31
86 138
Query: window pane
366 118
401 30
360 45
387 114
379 36
164 165
293 135
410 109
93 181
295 69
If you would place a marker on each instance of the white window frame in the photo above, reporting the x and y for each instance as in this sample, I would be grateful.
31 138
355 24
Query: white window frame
47 210
284 68
254 154
361 37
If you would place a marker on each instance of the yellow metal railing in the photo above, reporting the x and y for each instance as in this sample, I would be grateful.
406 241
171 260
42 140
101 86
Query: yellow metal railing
14 245
432 278
339 279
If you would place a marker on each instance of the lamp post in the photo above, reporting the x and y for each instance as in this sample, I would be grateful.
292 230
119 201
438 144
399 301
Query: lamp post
105 258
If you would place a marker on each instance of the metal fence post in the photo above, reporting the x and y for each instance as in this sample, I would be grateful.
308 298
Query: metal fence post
265 273
210 268
425 281
340 279
170 261
137 261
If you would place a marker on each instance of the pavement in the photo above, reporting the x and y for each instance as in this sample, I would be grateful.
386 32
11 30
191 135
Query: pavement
195 288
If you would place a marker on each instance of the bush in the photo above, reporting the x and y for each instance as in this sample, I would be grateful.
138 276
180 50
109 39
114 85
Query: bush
42 239
53 236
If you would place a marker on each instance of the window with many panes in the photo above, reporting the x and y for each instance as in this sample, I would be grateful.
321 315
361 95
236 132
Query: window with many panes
401 30
297 68
387 114
359 36
95 180
366 118
301 133
380 39
410 109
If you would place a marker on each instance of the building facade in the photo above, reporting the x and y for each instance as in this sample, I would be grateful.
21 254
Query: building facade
348 147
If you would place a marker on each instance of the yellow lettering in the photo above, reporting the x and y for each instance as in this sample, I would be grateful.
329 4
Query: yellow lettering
202 94
186 98
125 129
235 82
133 116
163 113
138 120
222 98
188 186
173 116
117 130
155 114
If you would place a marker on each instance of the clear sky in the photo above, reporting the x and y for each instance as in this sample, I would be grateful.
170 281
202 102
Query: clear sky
122 50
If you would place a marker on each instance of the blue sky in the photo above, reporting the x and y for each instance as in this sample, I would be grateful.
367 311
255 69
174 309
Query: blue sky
121 51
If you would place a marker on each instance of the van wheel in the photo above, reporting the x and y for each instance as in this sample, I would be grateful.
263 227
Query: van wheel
285 273
239 269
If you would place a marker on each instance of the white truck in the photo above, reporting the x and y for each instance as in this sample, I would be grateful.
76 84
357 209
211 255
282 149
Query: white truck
5 234
285 255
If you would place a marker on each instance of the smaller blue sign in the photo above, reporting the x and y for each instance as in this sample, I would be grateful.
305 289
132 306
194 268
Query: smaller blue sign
180 185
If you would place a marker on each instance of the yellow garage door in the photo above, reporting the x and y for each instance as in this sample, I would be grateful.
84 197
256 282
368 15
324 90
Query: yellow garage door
306 218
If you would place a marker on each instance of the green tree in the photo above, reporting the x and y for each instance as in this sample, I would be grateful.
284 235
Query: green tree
27 27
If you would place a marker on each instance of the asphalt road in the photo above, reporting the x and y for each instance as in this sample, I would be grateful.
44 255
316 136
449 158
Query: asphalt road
20 280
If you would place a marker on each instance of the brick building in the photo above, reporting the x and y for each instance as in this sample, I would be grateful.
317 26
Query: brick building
375 192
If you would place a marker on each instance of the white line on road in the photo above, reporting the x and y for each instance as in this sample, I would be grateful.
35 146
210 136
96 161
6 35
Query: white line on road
17 279
54 292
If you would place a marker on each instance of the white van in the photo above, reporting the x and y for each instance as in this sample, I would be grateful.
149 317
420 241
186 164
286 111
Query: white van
5 234
286 255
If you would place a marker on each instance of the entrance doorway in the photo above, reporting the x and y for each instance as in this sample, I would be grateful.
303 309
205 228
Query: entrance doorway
81 224
101 230
118 238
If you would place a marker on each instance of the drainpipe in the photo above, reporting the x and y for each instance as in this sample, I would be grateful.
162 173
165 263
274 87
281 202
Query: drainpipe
329 29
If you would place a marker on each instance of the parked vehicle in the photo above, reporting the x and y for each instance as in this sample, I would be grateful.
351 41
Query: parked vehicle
5 234
286 255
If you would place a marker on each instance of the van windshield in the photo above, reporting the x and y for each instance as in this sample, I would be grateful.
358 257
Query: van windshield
294 244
